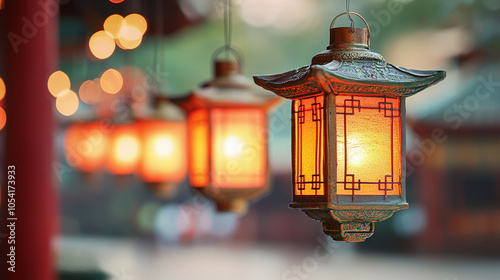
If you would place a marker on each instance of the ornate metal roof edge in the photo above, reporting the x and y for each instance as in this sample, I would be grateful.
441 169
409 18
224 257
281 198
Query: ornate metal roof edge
350 77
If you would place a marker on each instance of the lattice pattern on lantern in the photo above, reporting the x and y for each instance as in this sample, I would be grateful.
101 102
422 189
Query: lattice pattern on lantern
308 122
368 145
198 144
237 152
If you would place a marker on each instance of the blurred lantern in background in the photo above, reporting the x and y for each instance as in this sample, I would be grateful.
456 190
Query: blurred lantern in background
85 146
227 131
348 141
124 149
163 163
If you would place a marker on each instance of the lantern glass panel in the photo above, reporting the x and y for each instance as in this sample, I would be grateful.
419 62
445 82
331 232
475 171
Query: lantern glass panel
239 147
368 145
163 156
198 147
309 124
85 146
125 150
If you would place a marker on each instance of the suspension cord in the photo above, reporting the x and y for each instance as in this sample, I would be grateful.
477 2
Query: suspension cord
347 6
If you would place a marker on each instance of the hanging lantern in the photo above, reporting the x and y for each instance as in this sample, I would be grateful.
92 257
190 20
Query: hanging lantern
85 146
124 149
163 163
348 133
227 126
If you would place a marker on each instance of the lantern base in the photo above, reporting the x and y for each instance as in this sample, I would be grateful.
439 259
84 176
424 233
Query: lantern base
163 189
239 206
351 225
349 231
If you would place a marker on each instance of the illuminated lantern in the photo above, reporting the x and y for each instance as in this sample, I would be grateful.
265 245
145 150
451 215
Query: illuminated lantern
227 123
124 149
348 133
85 146
163 162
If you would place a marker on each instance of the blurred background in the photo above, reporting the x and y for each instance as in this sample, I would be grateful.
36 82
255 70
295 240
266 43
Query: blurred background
115 227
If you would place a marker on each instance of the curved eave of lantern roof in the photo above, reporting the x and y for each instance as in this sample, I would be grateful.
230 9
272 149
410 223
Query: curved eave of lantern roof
235 91
163 110
352 77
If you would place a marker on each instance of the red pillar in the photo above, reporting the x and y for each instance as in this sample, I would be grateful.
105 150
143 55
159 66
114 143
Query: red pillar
31 48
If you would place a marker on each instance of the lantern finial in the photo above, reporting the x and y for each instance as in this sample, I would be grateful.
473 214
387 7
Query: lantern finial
349 36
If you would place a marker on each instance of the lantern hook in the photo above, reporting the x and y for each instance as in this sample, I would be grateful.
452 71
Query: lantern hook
356 14
228 49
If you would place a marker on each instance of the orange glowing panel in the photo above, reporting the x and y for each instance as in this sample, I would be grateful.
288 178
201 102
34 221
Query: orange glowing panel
309 146
85 146
164 145
368 145
3 118
199 148
124 150
238 147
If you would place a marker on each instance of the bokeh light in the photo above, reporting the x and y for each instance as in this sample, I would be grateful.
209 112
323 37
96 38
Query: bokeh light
116 1
111 81
129 32
90 92
113 24
137 21
290 16
126 44
3 118
58 83
102 44
67 103
2 89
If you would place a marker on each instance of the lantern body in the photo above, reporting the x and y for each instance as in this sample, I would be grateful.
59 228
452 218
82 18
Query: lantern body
124 149
348 133
164 145
368 148
163 163
227 125
85 146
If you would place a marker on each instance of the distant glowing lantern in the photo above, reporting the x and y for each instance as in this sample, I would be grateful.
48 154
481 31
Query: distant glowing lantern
124 149
85 146
163 163
227 123
348 133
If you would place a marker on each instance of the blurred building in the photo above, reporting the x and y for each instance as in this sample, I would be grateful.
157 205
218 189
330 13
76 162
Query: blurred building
457 168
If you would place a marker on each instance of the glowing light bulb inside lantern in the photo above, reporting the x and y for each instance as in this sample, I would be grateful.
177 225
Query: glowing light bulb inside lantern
356 151
127 148
163 147
233 146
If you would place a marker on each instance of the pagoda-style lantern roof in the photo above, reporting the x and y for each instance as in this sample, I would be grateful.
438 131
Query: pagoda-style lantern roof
348 133
349 66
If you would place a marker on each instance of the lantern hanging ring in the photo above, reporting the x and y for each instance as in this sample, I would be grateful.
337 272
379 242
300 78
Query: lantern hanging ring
353 13
228 49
